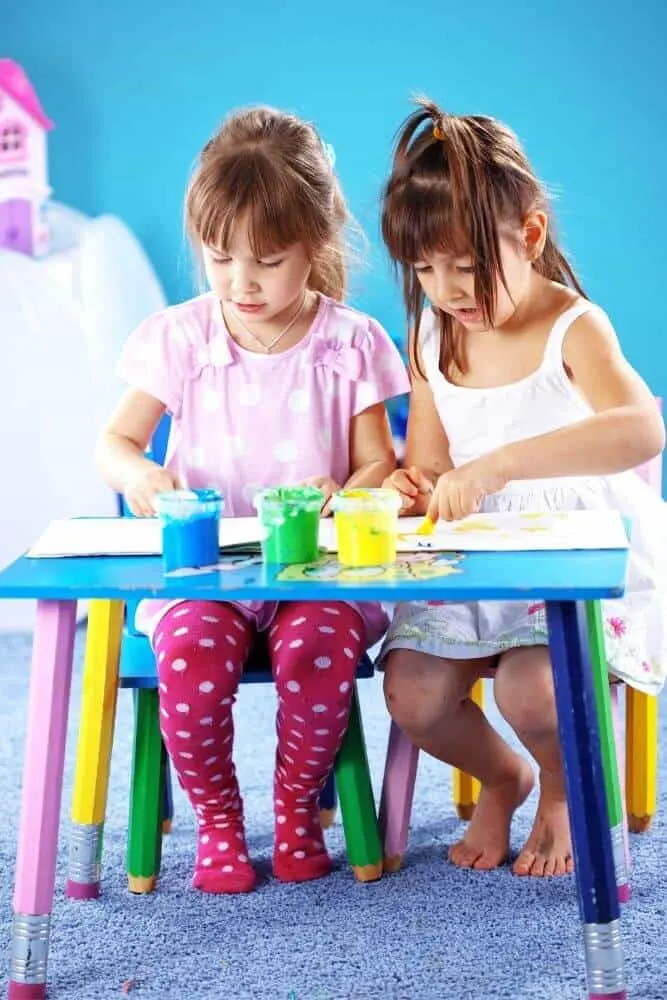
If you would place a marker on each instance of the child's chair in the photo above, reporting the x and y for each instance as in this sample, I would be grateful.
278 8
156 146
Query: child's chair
641 742
149 787
108 665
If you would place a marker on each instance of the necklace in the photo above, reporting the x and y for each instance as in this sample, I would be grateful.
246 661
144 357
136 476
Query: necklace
267 348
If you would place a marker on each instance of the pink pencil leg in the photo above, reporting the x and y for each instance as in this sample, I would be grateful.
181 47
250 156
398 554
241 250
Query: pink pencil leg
48 707
400 773
624 887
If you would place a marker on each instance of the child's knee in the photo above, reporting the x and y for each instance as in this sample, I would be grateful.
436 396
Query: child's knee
524 690
419 699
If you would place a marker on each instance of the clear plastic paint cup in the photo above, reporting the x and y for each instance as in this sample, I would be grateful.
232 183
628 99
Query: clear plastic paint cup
290 517
366 526
190 525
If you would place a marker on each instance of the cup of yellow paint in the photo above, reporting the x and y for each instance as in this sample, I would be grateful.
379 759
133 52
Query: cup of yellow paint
290 518
366 526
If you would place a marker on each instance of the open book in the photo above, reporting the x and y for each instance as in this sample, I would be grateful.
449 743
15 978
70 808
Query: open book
506 532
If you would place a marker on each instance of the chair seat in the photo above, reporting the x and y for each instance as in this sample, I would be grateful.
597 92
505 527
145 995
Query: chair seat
137 662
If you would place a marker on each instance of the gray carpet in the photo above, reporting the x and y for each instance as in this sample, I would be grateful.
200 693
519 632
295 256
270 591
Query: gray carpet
428 932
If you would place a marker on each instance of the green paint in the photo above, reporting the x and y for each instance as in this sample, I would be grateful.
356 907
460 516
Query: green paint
290 516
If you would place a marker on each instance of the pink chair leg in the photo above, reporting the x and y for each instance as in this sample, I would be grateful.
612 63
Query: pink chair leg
624 891
400 773
50 682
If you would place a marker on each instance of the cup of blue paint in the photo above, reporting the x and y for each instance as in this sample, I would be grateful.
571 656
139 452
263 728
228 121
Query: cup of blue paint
190 525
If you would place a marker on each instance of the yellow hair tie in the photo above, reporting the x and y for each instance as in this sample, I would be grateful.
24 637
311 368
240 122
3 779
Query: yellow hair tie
438 133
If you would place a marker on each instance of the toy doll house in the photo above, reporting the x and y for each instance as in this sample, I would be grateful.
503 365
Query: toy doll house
24 186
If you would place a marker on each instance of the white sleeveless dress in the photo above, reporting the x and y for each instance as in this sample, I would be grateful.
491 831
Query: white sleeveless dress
478 421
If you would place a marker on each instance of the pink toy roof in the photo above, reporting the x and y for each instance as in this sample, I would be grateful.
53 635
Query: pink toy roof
15 83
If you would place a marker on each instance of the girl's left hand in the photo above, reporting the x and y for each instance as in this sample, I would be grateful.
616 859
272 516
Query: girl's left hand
461 491
328 486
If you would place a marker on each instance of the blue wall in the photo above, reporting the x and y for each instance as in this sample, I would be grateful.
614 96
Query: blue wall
135 90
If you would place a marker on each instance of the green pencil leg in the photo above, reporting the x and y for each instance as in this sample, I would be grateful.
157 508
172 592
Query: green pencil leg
357 805
608 746
146 797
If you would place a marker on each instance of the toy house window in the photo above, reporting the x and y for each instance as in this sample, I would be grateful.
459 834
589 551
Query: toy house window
12 140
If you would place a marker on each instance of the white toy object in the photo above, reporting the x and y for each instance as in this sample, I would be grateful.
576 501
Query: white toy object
64 319
24 187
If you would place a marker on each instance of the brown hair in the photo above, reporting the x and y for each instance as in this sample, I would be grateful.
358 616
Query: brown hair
272 168
458 183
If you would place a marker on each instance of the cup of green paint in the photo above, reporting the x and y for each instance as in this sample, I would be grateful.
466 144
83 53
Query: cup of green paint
290 518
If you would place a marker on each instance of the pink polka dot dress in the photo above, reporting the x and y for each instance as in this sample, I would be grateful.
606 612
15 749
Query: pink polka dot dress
242 421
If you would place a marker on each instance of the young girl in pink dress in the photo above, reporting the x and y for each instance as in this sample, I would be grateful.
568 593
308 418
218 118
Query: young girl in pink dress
269 379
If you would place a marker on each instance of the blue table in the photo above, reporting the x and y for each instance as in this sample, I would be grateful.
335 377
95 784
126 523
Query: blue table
565 580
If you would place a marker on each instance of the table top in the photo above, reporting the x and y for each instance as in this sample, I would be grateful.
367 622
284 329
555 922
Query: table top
473 576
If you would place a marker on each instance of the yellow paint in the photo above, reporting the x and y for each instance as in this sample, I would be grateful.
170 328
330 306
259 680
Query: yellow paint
98 711
427 526
366 538
471 525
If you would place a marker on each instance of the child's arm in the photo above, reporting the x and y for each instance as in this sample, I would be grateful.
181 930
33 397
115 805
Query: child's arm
119 453
372 456
626 430
426 450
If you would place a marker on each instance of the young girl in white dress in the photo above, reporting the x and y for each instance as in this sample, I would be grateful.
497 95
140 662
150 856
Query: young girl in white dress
521 400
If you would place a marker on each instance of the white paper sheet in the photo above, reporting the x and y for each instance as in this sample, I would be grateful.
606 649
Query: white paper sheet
127 536
507 532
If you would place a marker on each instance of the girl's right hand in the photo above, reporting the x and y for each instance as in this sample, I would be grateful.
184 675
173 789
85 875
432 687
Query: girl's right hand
411 484
141 491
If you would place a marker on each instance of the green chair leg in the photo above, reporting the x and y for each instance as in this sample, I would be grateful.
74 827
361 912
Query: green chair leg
146 794
357 806
608 745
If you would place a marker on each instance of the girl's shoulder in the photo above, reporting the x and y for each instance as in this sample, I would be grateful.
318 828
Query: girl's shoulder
190 321
350 324
352 343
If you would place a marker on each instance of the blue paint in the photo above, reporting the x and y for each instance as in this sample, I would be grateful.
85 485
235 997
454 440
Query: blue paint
190 524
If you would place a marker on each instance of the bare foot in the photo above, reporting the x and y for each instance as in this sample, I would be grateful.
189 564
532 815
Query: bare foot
486 842
548 850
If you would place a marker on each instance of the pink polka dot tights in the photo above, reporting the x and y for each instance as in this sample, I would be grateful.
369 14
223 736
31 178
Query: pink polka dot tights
201 648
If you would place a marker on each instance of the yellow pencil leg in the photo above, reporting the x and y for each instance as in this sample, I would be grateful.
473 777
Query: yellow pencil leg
465 788
98 715
641 758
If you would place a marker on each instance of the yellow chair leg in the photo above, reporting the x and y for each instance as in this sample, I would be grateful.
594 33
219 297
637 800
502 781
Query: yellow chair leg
465 788
98 715
641 758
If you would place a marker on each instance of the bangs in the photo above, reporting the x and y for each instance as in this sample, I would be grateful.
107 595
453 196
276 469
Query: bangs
420 219
249 189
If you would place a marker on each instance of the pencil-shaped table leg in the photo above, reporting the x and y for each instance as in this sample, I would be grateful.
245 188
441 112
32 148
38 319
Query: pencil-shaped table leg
98 716
148 767
357 805
598 658
465 788
641 758
398 787
167 800
48 706
584 784
328 803
619 736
